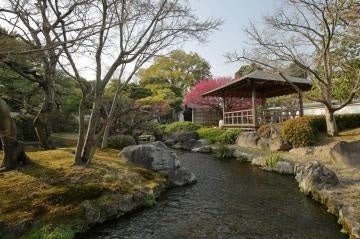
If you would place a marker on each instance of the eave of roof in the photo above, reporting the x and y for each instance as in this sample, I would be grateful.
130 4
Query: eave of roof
261 76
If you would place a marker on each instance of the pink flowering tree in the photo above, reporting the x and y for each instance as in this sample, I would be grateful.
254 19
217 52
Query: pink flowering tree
195 99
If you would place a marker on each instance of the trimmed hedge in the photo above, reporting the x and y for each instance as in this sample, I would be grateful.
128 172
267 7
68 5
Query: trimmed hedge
298 132
343 122
210 134
216 135
120 141
184 126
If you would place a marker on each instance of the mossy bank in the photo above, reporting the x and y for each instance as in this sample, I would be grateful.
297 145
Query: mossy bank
51 198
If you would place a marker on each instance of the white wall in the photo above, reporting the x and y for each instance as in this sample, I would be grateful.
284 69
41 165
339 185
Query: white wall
318 109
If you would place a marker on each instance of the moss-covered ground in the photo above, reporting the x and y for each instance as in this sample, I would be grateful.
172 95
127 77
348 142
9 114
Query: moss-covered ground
43 200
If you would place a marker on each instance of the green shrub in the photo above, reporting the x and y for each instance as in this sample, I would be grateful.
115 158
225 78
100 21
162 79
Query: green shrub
349 121
298 132
149 201
223 152
63 122
272 160
210 134
184 126
229 136
120 141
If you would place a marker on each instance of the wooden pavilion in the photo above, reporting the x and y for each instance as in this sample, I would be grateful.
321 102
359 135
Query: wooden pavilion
263 85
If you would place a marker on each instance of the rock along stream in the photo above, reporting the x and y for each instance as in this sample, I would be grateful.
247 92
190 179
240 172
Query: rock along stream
230 200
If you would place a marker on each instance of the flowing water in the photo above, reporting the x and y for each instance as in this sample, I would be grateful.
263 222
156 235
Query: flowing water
230 200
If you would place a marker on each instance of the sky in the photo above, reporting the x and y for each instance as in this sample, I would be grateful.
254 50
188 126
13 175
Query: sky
236 15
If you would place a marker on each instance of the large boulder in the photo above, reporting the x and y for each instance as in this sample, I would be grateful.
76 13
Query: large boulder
263 143
278 144
248 139
313 177
346 154
158 157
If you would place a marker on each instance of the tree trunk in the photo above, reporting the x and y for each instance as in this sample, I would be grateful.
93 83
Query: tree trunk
89 146
14 154
104 142
41 121
82 130
331 126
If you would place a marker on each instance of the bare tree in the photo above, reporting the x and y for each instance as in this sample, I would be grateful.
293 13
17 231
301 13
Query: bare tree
305 33
130 32
14 154
34 23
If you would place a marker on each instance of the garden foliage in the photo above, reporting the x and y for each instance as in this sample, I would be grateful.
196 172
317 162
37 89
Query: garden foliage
120 141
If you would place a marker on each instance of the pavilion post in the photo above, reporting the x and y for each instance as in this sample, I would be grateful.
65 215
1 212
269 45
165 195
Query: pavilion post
301 105
253 100
223 108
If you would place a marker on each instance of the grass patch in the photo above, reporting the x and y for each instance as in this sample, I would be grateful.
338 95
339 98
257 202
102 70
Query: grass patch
150 201
272 160
223 152
50 191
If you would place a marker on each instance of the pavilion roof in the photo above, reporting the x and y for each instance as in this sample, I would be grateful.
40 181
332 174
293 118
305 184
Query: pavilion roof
267 85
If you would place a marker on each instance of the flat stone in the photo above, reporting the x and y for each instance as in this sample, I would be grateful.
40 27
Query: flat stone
242 155
302 151
313 177
202 149
284 167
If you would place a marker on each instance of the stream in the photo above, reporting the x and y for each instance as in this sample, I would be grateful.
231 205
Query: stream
230 200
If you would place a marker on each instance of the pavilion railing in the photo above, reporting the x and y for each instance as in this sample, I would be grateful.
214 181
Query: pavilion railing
237 118
245 117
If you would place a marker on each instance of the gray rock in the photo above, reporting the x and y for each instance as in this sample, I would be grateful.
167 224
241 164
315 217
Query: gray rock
203 149
203 142
346 154
263 143
187 145
302 151
238 154
259 161
92 214
181 177
158 157
278 144
151 156
275 131
248 139
284 167
314 176
170 142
